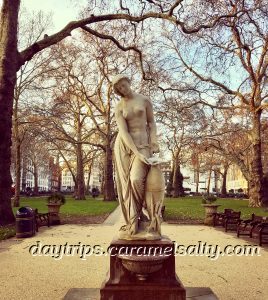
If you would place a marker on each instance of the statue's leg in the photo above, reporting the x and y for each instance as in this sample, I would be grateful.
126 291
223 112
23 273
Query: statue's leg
154 202
138 175
122 168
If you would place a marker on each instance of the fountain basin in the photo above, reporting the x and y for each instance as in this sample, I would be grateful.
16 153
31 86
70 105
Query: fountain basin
142 265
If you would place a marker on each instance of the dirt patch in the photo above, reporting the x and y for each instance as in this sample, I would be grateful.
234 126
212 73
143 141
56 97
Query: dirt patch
83 219
185 221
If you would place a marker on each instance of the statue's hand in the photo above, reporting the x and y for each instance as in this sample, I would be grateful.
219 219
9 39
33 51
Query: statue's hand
142 158
155 148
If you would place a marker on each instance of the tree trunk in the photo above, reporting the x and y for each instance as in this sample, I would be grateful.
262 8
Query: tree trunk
197 174
170 183
24 174
109 191
265 190
80 192
88 179
256 189
216 176
224 181
178 190
35 173
58 173
16 202
59 182
196 167
209 179
8 69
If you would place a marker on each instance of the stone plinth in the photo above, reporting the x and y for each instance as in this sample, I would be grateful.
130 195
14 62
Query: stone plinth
153 278
192 293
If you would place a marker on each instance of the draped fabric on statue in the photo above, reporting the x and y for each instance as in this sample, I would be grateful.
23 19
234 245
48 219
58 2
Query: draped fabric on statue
130 181
154 196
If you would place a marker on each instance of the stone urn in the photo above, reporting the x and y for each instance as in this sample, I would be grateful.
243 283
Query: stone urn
210 210
54 202
142 265
154 194
53 210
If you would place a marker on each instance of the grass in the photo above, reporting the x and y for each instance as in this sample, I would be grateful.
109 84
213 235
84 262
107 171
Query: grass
73 211
190 208
186 209
89 207
7 232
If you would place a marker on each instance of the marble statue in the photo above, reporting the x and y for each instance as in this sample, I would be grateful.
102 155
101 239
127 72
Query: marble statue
139 179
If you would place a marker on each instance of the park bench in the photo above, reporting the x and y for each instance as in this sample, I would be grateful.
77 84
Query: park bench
219 218
245 227
41 219
231 220
260 231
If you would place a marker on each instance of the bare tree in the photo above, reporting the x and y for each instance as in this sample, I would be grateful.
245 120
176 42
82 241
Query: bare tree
237 50
182 125
11 60
32 26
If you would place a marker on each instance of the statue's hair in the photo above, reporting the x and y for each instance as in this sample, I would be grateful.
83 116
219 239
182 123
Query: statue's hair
116 80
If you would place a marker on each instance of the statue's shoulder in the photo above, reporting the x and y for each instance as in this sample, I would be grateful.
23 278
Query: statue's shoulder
144 98
147 101
118 106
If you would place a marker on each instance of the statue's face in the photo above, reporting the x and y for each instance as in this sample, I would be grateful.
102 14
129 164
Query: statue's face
123 87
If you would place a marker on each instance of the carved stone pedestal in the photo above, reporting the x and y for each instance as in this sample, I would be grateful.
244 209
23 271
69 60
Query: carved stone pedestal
142 269
210 210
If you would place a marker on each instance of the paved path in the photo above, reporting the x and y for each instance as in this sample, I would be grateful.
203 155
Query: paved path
23 276
115 217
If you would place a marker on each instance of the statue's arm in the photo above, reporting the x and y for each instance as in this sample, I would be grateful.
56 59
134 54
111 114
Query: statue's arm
152 125
123 130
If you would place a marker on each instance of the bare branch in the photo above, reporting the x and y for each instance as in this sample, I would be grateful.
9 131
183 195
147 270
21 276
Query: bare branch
48 41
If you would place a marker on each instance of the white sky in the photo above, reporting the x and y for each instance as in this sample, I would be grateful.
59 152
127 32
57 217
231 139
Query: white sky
63 11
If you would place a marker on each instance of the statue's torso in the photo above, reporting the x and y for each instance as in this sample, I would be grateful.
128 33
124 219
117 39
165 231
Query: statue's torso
134 112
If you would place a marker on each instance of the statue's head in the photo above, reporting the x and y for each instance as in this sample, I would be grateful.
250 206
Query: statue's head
121 85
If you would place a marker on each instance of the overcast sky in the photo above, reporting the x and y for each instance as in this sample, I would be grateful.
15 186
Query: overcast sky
63 11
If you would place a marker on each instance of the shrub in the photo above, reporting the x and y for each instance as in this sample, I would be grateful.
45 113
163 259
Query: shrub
56 198
208 199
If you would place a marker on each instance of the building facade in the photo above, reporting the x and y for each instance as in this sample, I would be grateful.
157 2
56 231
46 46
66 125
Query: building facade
47 176
67 182
235 181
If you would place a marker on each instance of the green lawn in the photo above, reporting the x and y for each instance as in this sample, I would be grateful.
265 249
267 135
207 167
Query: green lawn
74 211
89 207
7 232
178 209
190 208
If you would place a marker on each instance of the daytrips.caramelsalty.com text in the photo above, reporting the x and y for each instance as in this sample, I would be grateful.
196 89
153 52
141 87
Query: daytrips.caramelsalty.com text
83 251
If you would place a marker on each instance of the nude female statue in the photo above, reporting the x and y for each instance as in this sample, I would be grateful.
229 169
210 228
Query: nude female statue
134 146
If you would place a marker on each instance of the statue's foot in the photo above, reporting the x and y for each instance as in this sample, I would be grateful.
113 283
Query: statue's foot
123 228
142 235
143 217
133 229
124 235
140 231
153 235
151 228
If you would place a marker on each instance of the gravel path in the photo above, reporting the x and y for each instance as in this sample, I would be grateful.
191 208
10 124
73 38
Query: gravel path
23 276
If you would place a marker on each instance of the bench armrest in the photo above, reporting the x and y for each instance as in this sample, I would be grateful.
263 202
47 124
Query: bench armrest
253 223
263 224
245 221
